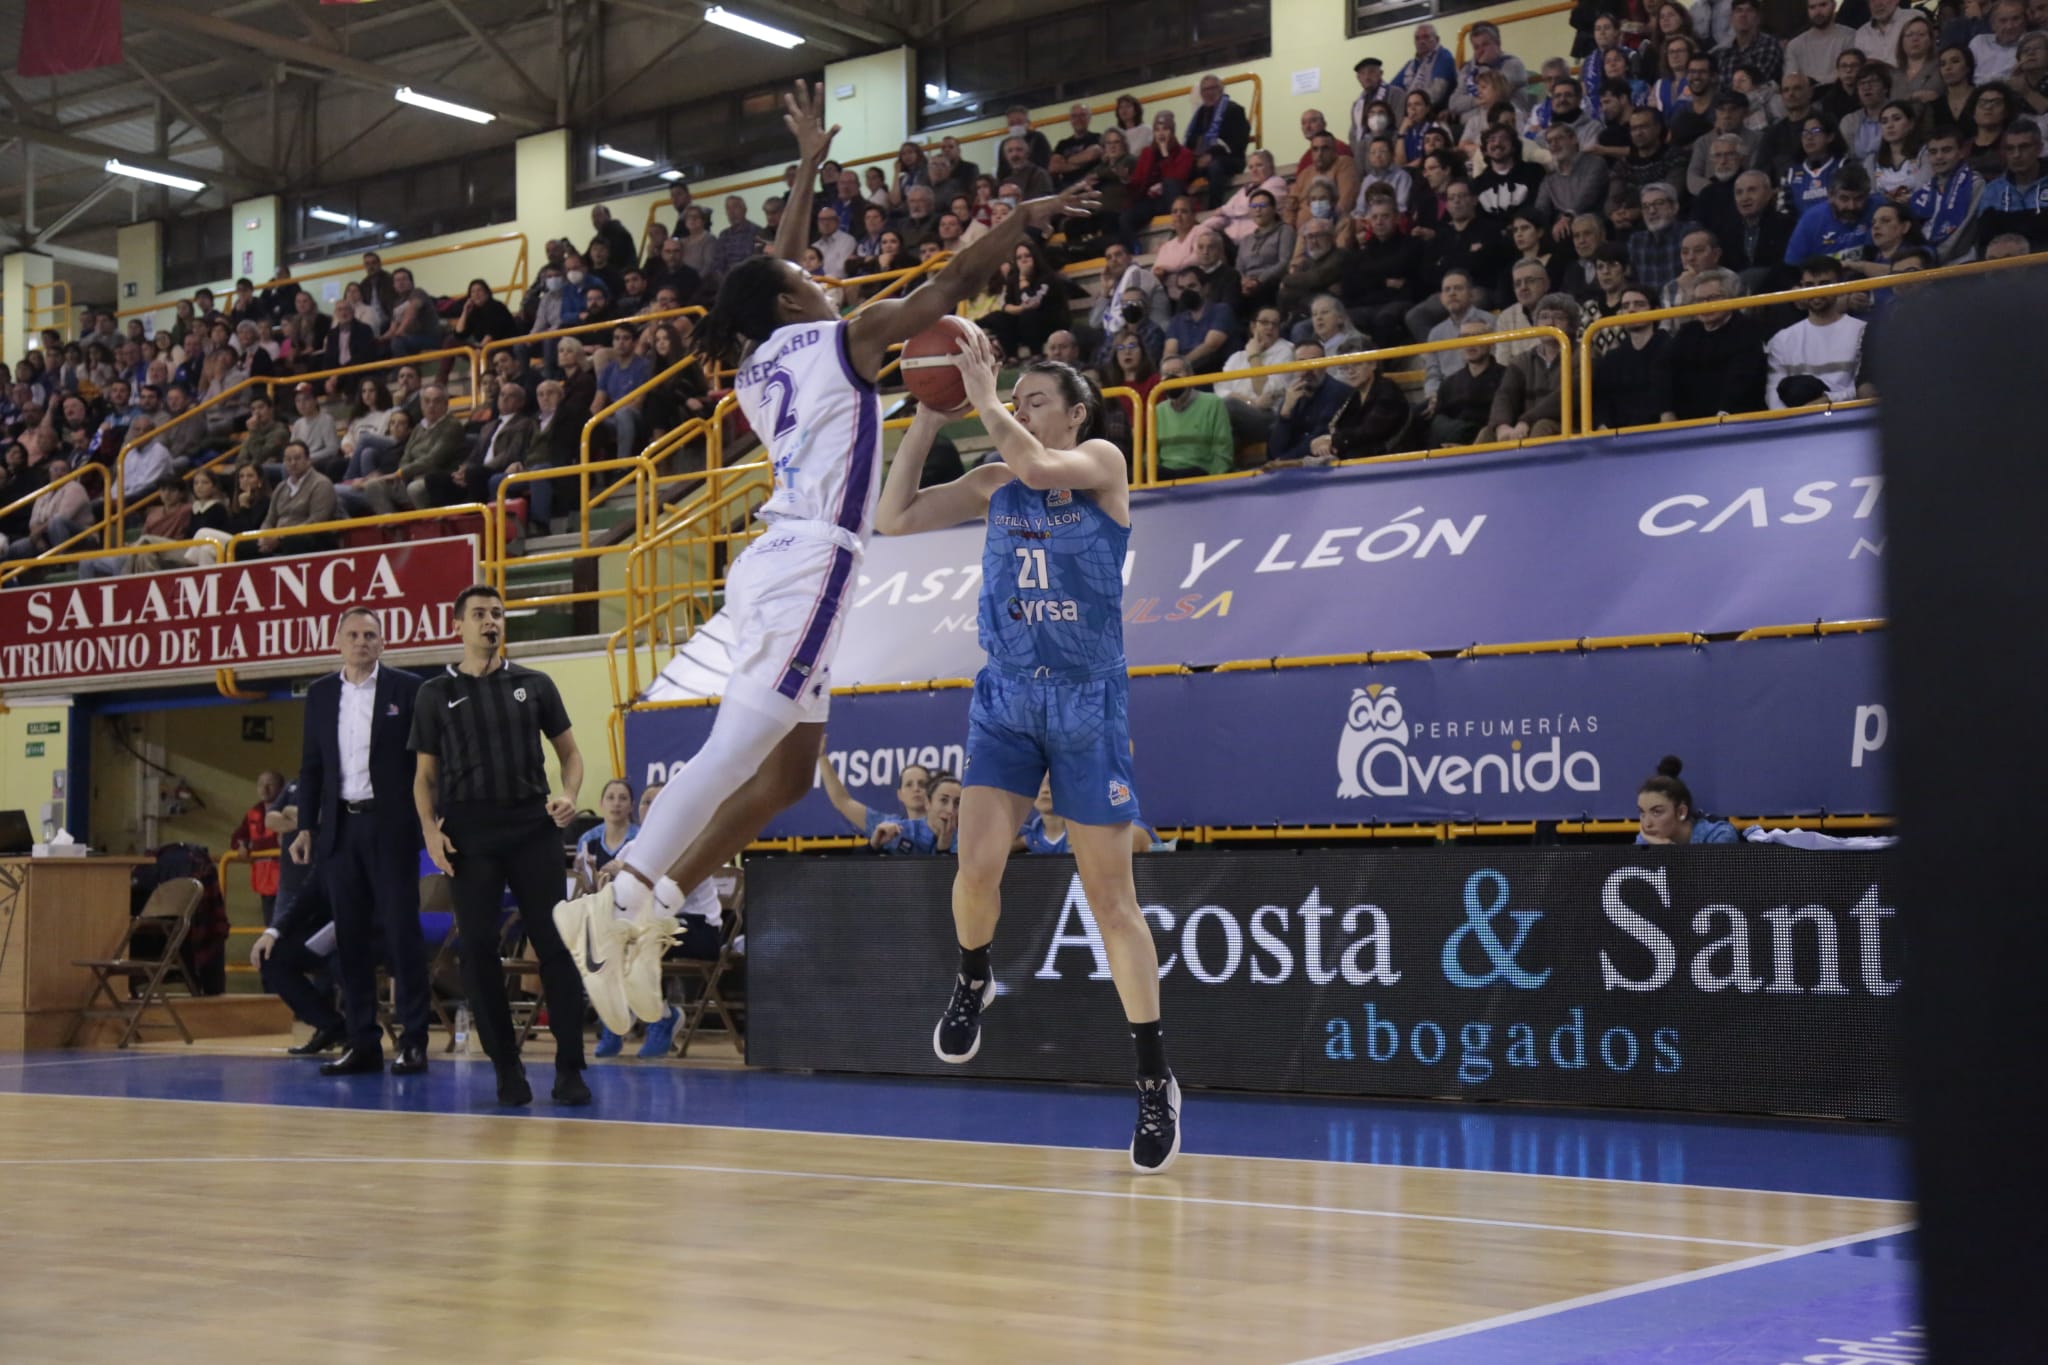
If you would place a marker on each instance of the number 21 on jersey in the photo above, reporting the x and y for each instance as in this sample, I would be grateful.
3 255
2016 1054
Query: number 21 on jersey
1031 569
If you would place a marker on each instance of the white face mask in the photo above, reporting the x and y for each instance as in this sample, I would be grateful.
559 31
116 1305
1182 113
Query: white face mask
1322 208
575 277
1379 123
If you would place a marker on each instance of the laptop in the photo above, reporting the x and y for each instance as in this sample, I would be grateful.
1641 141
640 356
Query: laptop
16 838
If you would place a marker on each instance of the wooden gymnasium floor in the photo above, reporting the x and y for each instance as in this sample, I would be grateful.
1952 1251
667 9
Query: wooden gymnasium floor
216 1205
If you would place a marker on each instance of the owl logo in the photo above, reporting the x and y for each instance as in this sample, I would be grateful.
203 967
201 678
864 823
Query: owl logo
1373 725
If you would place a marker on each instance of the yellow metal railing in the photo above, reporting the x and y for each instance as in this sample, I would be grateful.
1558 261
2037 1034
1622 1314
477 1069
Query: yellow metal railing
1255 111
1913 279
639 475
515 284
579 331
1516 17
55 313
1149 466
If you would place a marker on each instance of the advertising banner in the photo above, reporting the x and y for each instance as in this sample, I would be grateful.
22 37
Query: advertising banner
1690 530
1732 980
236 615
1767 727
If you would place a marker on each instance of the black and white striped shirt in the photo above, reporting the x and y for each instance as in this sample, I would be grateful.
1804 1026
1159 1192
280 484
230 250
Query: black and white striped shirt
486 733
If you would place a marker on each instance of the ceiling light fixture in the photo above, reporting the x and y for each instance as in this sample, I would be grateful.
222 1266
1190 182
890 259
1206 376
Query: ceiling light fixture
115 166
752 28
405 94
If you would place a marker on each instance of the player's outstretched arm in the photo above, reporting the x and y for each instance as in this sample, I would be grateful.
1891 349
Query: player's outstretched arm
905 509
874 329
804 116
850 810
1094 465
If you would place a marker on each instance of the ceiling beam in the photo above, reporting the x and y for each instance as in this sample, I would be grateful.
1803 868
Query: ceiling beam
375 75
317 28
540 98
235 159
58 140
71 215
64 255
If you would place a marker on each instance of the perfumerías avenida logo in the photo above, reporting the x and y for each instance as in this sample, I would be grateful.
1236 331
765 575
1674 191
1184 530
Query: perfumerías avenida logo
1382 753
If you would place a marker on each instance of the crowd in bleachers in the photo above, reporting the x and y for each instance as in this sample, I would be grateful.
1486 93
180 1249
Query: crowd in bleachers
1678 155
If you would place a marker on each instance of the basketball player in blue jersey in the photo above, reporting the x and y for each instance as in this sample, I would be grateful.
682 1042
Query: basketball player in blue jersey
1052 701
806 385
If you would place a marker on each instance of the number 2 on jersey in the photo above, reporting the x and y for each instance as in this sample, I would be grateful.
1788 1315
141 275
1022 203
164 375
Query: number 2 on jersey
781 384
1031 569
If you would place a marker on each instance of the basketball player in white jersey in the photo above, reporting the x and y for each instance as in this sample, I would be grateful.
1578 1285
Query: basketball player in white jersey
806 385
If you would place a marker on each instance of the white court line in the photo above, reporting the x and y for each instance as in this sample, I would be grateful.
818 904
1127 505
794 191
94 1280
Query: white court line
1638 1185
1133 1196
1604 1296
84 1061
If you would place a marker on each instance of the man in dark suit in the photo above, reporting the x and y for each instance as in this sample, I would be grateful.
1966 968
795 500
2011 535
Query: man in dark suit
1219 135
349 342
355 820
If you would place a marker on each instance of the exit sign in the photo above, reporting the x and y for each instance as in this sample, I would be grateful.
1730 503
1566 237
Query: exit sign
46 727
34 748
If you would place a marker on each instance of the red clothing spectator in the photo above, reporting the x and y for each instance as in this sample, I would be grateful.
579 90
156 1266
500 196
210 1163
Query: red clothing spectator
254 836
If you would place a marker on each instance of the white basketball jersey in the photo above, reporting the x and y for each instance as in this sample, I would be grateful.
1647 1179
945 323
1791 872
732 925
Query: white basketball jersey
821 422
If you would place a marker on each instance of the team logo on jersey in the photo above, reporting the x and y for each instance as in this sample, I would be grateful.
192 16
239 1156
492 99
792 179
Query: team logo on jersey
519 694
1119 794
1059 497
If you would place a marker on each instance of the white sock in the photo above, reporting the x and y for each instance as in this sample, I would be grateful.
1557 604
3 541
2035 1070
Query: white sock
741 739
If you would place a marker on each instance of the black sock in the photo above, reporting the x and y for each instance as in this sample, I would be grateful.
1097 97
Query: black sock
1151 1051
974 964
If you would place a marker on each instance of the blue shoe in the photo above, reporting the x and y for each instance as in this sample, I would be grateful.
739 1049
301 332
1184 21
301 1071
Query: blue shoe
608 1043
661 1034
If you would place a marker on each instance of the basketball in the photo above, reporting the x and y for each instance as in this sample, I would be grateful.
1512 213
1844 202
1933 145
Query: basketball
928 369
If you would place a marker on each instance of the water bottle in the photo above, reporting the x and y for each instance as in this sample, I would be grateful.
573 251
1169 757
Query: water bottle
462 1030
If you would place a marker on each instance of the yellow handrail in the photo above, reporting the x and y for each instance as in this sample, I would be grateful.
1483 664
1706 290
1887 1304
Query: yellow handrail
487 551
1517 16
1255 111
639 319
1150 471
515 285
641 475
1912 279
597 419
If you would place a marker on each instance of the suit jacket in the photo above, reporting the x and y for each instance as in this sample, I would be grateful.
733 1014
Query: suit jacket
391 763
1234 134
436 449
314 502
515 438
362 346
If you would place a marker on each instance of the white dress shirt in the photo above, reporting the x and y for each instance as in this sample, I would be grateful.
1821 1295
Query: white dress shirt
358 713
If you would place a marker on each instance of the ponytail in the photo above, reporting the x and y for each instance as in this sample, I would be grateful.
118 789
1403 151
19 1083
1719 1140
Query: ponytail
1667 785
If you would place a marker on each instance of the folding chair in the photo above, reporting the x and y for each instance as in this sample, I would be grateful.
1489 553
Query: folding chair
437 896
515 954
167 917
712 974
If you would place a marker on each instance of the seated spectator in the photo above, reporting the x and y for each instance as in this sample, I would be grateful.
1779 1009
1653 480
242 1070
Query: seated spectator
313 426
1716 361
147 461
1997 52
1946 206
1177 252
911 781
1841 226
2007 245
1564 108
1486 56
1729 111
1307 408
1506 183
1194 428
55 518
1374 419
1236 219
834 246
1019 117
1334 168
1529 285
610 233
1264 347
249 504
1815 360
1529 243
1454 299
1431 71
505 444
1958 86
1577 183
1034 305
1893 237
483 319
1031 179
1329 326
1878 40
1130 364
740 238
1713 199
1589 234
1380 281
1160 176
1991 111
1202 327
435 447
696 252
349 341
1698 250
935 833
1653 250
1077 152
1463 402
1632 381
263 439
1528 402
2029 79
1380 169
1652 157
1417 121
304 332
1463 241
1748 45
415 322
622 368
1812 54
1219 276
2017 202
1317 267
169 520
1219 135
1917 80
1862 128
1264 253
1664 805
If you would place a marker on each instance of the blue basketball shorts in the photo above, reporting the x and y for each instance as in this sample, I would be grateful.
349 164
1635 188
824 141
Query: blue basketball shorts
1020 727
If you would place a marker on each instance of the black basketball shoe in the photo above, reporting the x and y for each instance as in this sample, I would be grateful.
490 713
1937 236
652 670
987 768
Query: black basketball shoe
958 1036
1157 1140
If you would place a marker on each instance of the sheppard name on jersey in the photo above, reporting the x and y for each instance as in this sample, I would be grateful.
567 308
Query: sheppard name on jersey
758 371
1010 523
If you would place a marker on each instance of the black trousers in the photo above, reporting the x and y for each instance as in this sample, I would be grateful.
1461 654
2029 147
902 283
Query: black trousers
373 888
516 846
301 978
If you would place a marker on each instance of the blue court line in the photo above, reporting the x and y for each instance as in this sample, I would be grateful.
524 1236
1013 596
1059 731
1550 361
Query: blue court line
1855 1161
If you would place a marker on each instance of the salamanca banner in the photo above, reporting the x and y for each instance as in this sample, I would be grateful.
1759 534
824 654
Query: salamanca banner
262 611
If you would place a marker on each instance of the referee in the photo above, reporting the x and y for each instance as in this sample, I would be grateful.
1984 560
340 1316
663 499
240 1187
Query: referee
489 820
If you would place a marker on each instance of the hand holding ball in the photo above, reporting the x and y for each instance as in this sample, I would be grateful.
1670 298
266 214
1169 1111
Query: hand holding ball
933 362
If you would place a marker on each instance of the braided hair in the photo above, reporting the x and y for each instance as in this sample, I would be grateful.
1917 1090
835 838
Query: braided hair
746 311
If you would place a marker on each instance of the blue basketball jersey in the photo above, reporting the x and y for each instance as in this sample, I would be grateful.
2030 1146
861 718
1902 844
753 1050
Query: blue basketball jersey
1052 583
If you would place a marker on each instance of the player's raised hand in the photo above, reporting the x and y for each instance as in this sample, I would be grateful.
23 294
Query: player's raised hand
1078 198
979 363
804 116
